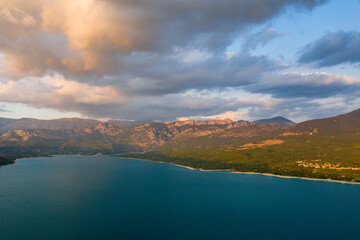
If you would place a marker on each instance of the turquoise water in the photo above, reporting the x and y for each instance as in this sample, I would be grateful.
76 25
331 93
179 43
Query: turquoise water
72 197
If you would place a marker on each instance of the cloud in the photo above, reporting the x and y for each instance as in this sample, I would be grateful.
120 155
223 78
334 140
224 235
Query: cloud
261 38
58 93
332 49
138 60
93 35
104 101
301 109
17 16
156 75
169 107
297 109
309 85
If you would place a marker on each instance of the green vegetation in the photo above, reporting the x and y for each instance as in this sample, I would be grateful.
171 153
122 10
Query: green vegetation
9 158
329 157
324 148
5 160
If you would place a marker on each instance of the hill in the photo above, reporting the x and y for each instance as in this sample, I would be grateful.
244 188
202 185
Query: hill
277 121
343 124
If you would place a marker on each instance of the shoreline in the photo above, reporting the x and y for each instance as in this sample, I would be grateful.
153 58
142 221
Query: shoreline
248 173
8 164
215 170
23 158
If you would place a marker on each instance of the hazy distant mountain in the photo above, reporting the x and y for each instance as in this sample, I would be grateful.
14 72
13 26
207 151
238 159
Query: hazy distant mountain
56 124
276 121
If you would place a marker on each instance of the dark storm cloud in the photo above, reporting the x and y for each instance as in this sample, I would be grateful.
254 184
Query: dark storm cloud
332 49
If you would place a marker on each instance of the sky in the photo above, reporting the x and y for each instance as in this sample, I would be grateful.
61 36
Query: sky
165 60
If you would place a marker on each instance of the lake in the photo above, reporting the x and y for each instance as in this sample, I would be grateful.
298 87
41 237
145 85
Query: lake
99 197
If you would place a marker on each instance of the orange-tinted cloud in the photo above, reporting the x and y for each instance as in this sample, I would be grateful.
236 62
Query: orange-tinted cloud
59 93
137 59
93 35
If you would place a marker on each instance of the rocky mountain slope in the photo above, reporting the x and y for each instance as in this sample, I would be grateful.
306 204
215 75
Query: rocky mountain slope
114 137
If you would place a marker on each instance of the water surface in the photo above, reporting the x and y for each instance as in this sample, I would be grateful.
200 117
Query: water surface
73 197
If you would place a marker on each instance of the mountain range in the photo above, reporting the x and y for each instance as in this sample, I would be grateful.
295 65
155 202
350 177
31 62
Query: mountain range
321 148
91 136
8 124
